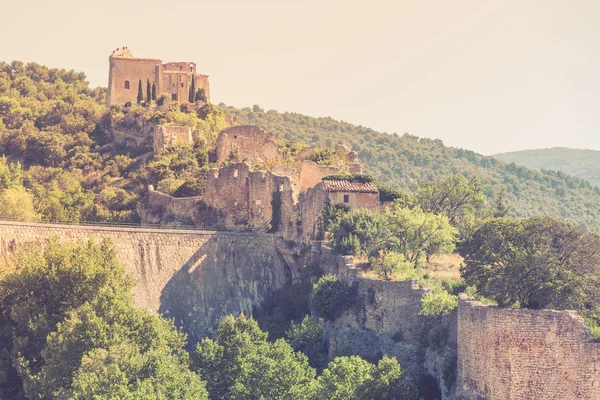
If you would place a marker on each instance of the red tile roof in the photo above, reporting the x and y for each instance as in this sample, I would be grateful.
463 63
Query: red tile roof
347 186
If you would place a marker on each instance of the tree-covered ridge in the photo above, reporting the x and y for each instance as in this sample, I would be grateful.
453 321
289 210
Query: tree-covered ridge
403 161
582 163
58 163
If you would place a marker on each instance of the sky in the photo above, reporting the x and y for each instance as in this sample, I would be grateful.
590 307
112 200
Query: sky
490 76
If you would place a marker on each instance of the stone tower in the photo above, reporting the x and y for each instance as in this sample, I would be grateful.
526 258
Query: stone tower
125 73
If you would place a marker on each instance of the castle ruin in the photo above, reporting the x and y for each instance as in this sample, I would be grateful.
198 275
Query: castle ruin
174 78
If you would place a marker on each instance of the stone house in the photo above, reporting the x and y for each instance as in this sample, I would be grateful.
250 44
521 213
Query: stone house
351 194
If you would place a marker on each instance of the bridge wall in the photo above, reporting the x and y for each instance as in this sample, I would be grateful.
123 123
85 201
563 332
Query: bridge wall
197 277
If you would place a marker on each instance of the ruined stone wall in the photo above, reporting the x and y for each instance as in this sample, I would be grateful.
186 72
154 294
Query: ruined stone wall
508 354
160 208
250 143
311 174
196 277
166 135
312 203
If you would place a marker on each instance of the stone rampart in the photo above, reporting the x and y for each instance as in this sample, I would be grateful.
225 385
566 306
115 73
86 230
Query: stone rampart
508 354
196 277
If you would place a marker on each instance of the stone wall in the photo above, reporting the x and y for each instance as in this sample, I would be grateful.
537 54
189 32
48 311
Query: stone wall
249 143
196 277
507 354
311 174
166 135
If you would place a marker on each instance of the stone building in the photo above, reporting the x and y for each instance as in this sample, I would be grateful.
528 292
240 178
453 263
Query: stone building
175 78
351 194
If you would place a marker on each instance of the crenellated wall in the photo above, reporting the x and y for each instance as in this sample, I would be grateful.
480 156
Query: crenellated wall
196 277
507 354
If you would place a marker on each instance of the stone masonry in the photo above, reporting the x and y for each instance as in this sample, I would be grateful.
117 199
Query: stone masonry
196 277
507 354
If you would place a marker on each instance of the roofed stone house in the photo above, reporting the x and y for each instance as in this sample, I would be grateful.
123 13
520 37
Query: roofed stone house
351 194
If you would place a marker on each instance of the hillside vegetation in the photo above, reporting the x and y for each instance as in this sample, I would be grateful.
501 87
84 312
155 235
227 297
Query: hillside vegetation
402 161
582 163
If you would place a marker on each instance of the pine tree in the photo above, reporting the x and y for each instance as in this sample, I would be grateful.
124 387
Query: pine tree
153 92
148 92
140 95
192 90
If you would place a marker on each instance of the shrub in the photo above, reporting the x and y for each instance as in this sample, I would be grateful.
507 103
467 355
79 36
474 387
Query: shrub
438 302
331 297
162 98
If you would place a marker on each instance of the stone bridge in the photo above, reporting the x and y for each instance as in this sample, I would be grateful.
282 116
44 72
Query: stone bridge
196 277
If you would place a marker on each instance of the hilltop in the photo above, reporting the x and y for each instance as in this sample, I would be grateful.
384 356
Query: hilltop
582 163
402 161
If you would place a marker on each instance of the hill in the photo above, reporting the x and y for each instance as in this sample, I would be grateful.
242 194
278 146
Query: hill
402 161
582 163
50 121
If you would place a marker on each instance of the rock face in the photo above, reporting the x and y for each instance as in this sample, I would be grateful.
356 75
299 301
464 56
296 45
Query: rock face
196 277
525 354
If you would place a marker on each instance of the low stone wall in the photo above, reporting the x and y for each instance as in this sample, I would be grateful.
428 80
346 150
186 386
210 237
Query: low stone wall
196 277
507 354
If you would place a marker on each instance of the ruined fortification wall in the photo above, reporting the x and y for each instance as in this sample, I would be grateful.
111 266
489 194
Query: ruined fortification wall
249 143
193 276
507 354
311 174
167 135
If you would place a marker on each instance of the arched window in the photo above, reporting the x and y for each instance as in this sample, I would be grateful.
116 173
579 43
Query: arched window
126 84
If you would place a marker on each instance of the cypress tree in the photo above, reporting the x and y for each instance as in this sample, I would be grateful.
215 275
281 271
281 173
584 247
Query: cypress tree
153 91
140 95
148 92
192 90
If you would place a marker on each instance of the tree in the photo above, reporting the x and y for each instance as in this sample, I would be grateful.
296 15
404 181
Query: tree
140 95
454 196
309 338
153 91
390 263
240 364
148 92
17 203
201 95
352 378
39 288
535 263
192 91
331 297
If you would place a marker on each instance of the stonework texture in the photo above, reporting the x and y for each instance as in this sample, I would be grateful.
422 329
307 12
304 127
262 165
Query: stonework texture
507 354
126 71
167 135
247 143
196 277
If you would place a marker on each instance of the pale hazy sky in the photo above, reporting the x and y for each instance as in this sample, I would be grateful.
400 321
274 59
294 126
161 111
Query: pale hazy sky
485 75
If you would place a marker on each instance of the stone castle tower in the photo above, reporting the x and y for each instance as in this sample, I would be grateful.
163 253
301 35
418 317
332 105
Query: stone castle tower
175 78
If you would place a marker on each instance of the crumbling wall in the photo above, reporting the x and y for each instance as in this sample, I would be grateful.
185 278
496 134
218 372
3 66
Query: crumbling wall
196 277
160 208
167 135
508 354
247 142
311 174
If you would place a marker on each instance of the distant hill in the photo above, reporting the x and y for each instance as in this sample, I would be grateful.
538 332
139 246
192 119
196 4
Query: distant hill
402 161
582 163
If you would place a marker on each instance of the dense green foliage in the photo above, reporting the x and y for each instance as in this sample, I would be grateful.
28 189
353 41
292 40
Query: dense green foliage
582 163
309 338
538 262
417 234
69 329
51 123
404 161
331 297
